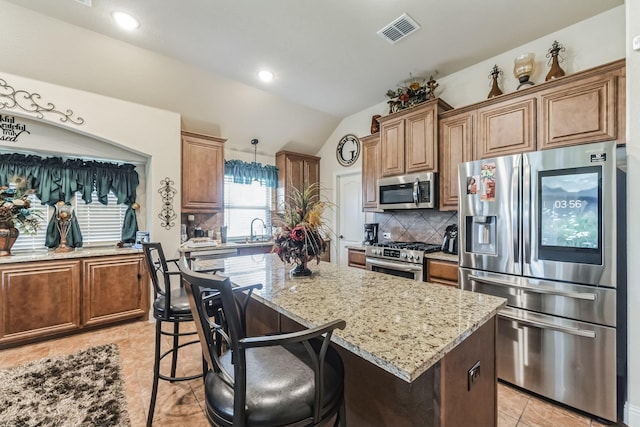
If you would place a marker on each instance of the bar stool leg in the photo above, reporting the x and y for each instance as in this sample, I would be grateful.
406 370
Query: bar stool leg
156 375
174 354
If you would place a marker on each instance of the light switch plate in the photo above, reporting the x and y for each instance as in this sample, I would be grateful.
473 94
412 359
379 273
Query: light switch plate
636 43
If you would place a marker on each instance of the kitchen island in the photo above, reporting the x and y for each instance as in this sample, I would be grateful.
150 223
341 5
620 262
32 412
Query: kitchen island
416 354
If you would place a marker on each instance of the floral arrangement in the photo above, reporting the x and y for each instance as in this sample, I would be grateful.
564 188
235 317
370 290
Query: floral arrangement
14 207
411 95
301 237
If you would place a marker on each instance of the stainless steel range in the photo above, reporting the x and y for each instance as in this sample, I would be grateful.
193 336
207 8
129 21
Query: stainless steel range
402 259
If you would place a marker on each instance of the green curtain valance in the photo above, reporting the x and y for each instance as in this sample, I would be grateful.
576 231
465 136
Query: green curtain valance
245 172
55 179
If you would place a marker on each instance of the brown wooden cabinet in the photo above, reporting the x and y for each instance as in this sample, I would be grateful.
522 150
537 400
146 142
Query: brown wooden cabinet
507 127
202 173
442 272
295 170
371 171
356 258
48 298
409 139
114 288
456 146
583 110
39 299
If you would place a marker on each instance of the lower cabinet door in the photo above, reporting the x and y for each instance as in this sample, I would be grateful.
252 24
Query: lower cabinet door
114 288
39 299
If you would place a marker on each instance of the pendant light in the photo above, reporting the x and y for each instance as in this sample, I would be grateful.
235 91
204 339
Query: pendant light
254 142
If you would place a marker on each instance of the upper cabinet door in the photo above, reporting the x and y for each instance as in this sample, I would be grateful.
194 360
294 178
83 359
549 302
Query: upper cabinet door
371 171
392 140
579 112
507 127
421 141
202 173
456 146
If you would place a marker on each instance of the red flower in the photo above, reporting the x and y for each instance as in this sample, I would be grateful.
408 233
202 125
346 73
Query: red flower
298 234
404 97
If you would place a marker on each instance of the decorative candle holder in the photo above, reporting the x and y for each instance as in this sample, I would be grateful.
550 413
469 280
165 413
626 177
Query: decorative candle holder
64 214
495 89
523 68
555 59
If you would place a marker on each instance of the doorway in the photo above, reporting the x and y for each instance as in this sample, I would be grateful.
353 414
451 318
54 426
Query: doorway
349 215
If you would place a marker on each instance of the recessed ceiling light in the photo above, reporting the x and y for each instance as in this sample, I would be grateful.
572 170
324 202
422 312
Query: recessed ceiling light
125 20
265 75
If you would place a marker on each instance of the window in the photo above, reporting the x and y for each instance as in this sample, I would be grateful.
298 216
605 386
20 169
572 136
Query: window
242 204
100 225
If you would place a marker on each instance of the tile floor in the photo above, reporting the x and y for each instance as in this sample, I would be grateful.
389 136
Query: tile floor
180 404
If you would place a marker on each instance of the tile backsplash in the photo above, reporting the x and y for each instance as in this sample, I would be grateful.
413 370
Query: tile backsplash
420 225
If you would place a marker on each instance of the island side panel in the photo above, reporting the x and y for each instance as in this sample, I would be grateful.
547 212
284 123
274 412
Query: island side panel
457 403
373 396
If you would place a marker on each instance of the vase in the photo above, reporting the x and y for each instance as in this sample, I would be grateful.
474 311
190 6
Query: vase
8 236
300 270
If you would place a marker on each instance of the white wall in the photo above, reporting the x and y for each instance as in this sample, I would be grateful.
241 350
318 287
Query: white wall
149 132
633 207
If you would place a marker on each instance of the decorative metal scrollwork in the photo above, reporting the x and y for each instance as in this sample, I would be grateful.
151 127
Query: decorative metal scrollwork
168 214
30 102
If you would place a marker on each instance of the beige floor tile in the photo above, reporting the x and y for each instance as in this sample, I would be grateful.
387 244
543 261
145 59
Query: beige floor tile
539 413
511 401
182 404
506 420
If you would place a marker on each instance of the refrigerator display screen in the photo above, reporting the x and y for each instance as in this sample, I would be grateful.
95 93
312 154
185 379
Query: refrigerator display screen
570 215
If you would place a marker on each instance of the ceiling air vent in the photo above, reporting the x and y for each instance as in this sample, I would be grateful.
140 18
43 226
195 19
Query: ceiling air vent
399 29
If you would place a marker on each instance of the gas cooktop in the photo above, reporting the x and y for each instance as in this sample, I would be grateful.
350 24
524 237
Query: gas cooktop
413 246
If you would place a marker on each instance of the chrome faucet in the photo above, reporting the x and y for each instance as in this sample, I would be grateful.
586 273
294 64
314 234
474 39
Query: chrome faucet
264 227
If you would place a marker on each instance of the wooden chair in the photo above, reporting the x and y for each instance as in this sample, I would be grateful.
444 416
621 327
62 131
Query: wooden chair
292 379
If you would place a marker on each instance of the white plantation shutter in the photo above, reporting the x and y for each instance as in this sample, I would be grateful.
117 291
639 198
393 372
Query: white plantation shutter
243 203
101 225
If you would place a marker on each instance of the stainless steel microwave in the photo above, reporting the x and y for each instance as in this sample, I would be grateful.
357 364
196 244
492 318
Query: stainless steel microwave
417 191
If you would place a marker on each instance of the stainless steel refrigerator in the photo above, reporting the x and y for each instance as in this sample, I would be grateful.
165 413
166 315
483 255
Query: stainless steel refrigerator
547 231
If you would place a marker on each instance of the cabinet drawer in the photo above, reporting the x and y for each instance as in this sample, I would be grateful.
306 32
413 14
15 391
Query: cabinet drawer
442 272
356 258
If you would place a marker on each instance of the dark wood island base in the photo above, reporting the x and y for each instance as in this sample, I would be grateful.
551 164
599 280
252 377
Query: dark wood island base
446 395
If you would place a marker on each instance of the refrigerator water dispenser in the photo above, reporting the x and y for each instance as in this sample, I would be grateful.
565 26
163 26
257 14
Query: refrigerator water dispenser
481 234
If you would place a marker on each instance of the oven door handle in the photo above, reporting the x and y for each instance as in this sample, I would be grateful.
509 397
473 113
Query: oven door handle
540 290
544 325
400 267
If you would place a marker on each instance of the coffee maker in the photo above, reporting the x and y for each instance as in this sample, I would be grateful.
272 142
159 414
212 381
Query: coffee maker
370 234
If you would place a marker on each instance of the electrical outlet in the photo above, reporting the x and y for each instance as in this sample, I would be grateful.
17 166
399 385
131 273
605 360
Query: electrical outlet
473 374
386 235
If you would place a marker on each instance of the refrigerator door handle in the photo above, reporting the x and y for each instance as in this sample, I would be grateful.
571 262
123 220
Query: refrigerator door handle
526 208
535 289
544 325
515 217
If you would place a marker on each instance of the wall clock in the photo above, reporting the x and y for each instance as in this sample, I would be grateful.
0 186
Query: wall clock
348 150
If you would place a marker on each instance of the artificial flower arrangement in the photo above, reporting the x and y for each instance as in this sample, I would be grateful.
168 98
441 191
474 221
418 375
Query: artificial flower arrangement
411 95
301 237
15 207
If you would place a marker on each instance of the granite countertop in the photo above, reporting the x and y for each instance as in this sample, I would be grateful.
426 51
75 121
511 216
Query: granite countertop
211 245
442 256
402 326
51 255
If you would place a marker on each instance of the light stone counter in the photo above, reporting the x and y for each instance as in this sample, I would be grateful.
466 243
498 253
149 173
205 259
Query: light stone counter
402 326
190 247
442 256
50 255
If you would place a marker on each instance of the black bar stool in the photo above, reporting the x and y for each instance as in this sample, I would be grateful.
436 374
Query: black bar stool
172 306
